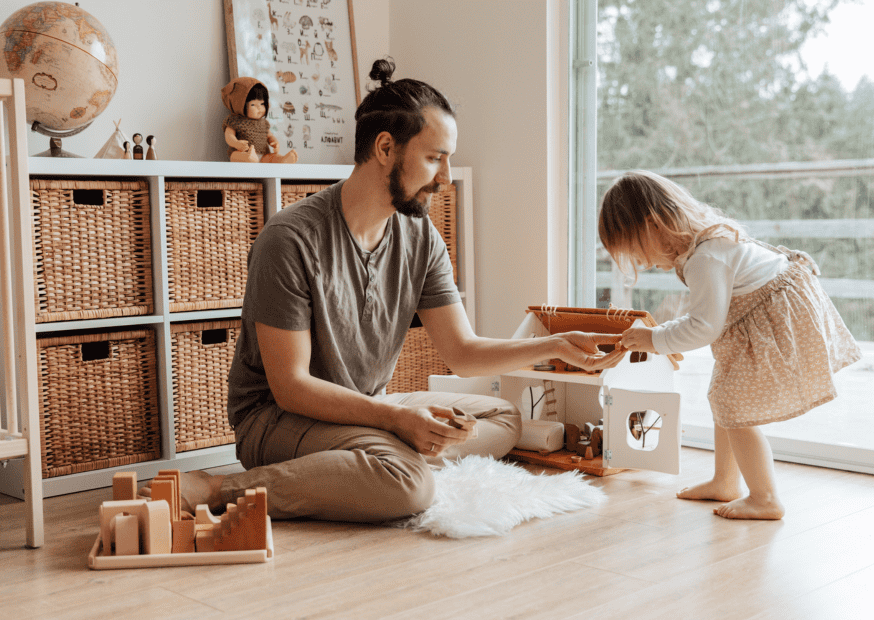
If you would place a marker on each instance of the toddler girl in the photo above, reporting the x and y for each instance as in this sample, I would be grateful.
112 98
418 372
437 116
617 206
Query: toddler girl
775 335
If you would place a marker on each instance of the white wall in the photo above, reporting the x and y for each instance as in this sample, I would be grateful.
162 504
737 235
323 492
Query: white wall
173 62
501 61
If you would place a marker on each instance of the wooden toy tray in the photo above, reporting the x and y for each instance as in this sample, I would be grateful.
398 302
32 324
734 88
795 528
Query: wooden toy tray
253 556
562 459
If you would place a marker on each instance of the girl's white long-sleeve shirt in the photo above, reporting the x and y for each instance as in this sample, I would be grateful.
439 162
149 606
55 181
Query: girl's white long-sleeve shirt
718 270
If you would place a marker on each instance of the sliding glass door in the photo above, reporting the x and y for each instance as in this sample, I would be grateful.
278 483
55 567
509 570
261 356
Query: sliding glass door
764 109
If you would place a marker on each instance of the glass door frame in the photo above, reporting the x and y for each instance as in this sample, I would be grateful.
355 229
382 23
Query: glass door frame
582 271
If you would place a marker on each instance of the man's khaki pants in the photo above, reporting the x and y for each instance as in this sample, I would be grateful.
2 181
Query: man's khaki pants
327 471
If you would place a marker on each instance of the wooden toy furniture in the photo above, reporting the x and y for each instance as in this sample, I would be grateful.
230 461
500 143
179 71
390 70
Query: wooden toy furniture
17 303
635 399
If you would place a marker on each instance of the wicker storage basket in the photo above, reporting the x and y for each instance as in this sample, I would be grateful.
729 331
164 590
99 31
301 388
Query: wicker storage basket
417 361
88 234
98 401
210 227
290 194
442 213
202 356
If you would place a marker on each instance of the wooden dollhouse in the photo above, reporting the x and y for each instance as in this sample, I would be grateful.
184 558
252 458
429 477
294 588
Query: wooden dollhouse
635 399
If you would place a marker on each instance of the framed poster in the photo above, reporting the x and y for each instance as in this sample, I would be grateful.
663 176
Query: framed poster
304 53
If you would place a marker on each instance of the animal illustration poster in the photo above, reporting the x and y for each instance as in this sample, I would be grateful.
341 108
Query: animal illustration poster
304 53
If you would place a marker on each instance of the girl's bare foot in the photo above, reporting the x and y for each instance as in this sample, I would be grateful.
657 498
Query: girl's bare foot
198 487
748 508
716 490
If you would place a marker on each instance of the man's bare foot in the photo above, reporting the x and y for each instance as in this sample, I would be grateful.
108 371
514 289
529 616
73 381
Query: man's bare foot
715 490
198 487
748 508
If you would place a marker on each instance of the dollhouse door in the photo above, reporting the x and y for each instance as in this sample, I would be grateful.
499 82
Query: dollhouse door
642 430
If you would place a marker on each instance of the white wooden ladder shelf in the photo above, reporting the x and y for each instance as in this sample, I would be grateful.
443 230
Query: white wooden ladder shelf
16 285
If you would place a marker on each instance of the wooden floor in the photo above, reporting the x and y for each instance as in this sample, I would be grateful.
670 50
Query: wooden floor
643 554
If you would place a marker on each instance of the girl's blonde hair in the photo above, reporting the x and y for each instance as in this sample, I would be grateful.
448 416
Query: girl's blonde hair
640 200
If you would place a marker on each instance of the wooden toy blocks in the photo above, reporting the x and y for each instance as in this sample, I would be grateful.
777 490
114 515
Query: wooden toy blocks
124 486
143 532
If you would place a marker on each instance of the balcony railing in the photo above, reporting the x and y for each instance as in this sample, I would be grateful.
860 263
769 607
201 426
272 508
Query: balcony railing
621 287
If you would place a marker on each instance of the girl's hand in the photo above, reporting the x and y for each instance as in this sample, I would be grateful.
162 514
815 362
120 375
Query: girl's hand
272 141
242 145
583 351
638 339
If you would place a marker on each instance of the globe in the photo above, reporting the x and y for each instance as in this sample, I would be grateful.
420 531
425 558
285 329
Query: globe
68 63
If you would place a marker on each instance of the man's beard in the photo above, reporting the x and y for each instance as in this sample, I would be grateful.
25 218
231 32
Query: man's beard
411 207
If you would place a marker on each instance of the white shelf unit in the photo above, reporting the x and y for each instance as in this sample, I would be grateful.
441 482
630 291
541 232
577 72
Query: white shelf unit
155 173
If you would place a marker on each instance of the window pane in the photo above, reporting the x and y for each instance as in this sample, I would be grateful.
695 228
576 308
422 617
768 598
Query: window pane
764 109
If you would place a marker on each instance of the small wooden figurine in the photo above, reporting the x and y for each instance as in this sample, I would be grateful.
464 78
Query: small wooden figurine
127 152
151 153
138 146
246 129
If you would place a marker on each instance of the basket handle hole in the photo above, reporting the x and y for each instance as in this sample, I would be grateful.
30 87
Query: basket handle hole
209 198
213 336
638 356
92 351
93 197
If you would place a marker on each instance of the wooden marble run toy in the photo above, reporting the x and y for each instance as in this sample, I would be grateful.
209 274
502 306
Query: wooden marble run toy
137 532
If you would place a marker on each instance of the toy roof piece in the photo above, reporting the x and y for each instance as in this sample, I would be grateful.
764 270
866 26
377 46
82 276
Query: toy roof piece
557 320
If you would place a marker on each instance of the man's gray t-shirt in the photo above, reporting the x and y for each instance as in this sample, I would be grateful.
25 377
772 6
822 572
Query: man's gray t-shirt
306 271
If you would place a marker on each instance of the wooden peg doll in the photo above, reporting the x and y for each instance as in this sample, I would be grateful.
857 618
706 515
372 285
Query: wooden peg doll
138 146
151 153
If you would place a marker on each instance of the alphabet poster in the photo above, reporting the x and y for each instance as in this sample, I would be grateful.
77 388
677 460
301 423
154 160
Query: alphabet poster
304 53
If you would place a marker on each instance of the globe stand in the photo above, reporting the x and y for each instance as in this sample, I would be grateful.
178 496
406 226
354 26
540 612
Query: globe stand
55 149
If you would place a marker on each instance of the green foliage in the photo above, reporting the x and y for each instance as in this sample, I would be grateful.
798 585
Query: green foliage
691 83
713 82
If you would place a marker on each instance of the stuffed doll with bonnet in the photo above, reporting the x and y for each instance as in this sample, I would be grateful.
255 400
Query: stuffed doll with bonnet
247 130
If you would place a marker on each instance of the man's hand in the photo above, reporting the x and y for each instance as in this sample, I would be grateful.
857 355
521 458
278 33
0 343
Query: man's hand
424 429
581 349
638 339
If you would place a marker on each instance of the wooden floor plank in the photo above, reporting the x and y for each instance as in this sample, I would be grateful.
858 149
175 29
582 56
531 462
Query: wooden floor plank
847 598
642 549
145 604
546 594
767 576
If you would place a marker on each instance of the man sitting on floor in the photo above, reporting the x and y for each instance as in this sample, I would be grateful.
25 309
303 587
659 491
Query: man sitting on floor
333 285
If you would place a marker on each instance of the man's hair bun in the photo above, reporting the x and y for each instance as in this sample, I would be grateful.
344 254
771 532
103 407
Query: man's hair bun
382 70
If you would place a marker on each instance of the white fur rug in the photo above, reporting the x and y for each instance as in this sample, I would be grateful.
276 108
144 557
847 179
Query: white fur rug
478 496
